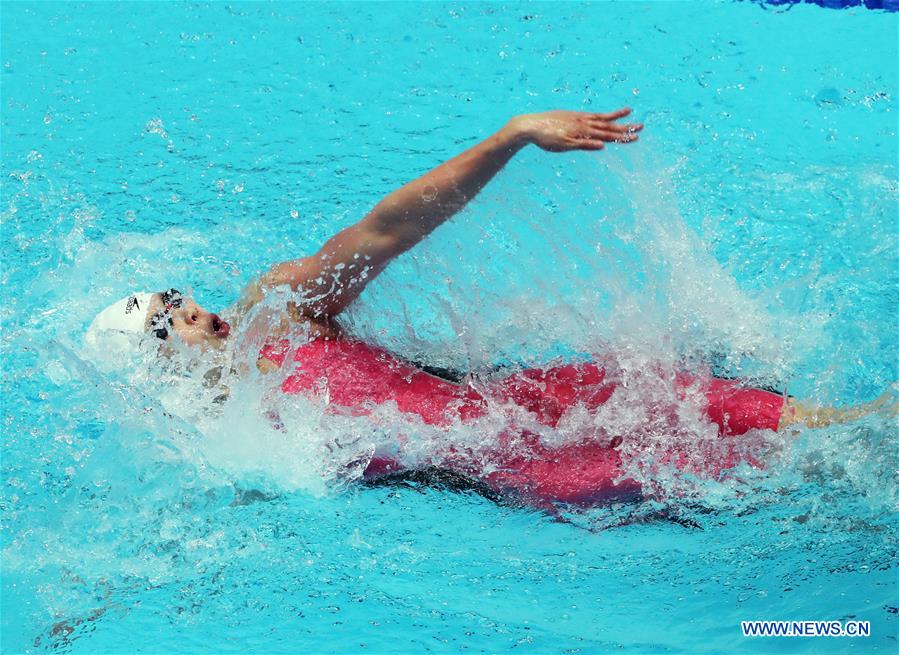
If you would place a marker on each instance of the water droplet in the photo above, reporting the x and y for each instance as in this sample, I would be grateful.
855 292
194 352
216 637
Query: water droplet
155 126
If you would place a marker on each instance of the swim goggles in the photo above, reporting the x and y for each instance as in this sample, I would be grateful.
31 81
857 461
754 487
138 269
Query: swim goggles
161 321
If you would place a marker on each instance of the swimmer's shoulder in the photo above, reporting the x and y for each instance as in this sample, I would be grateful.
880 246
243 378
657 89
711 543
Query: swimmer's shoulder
254 293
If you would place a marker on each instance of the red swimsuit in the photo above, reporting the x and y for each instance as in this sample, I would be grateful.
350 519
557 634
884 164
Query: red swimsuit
358 376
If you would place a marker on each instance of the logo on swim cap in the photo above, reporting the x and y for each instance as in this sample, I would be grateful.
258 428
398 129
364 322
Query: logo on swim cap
111 329
132 303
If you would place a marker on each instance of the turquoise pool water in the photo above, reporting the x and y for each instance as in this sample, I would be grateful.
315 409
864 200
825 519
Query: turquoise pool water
753 228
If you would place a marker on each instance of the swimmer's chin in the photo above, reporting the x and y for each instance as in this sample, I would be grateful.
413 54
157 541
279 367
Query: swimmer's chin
221 330
217 340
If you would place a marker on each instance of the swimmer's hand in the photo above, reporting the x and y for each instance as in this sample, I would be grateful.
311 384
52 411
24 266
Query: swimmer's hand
560 131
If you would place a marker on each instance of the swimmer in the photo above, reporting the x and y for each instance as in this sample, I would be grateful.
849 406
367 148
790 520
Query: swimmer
325 283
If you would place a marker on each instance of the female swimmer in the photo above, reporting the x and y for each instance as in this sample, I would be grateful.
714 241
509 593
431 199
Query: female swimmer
358 375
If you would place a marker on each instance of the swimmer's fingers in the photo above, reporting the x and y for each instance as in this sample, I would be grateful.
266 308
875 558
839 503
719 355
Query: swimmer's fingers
596 139
892 410
885 403
622 128
610 126
613 126
590 144
612 115
613 136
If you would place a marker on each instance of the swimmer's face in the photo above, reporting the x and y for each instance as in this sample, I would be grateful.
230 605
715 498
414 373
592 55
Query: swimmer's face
191 323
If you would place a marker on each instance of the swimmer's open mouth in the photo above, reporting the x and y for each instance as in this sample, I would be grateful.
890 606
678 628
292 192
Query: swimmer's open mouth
220 327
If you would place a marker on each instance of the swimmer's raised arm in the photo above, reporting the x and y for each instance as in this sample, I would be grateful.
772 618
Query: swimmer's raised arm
333 277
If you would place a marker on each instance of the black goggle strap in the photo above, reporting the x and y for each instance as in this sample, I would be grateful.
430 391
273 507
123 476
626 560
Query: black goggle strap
171 299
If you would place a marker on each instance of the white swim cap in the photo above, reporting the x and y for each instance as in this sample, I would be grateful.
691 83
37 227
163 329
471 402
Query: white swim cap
119 324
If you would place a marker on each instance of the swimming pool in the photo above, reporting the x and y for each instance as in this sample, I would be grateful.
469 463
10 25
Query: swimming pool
754 227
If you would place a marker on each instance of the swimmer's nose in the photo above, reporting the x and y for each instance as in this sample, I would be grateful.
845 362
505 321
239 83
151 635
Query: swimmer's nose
220 327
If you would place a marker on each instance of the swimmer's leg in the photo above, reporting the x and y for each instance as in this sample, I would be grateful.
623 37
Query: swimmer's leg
813 416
